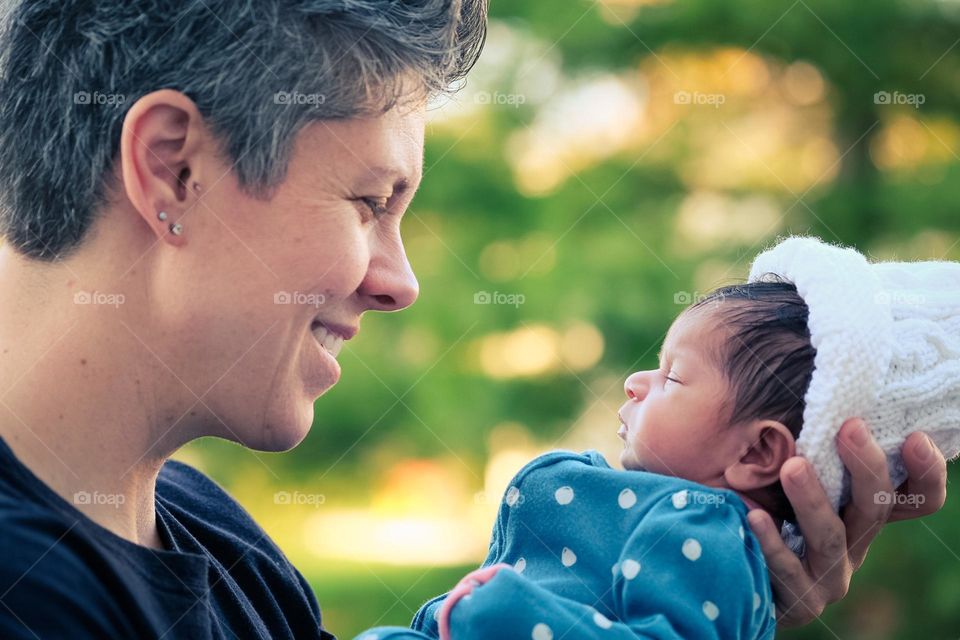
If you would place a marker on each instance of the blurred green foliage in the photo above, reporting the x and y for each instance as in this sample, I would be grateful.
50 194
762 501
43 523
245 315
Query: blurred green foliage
607 244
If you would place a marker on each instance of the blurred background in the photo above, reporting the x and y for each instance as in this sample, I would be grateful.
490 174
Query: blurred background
608 162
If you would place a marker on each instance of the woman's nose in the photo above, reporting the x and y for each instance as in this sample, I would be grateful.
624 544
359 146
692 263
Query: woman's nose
390 284
637 385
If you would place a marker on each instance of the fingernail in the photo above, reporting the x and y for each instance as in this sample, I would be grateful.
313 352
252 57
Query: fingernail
858 434
800 475
924 448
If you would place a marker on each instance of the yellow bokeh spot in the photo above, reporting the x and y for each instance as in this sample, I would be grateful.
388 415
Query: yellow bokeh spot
535 350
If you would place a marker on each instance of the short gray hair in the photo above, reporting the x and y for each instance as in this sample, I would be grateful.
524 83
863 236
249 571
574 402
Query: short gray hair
258 71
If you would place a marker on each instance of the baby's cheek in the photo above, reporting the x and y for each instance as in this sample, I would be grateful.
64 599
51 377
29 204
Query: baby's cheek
650 448
662 446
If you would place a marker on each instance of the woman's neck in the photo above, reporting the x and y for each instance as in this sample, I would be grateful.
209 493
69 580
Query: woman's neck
73 408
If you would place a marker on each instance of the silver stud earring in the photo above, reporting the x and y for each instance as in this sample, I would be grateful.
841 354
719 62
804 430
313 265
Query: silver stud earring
176 228
162 216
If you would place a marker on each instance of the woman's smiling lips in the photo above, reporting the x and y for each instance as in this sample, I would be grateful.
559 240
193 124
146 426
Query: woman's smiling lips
331 336
324 370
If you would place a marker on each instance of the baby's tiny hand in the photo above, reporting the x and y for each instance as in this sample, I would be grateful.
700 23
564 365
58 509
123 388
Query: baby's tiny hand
464 588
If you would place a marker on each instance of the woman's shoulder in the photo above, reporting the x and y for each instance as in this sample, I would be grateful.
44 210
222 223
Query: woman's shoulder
202 517
178 481
197 501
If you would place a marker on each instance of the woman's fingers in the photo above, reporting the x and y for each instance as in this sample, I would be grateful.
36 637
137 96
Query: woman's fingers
926 487
835 547
872 497
824 532
798 600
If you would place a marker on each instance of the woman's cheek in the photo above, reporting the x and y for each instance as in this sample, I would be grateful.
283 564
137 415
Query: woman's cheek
340 263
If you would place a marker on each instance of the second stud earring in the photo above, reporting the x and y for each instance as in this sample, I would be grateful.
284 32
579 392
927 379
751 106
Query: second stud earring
175 228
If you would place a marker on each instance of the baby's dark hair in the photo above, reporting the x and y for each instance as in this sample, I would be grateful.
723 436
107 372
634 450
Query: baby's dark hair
767 358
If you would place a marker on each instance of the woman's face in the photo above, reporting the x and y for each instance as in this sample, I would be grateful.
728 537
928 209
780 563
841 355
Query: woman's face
257 309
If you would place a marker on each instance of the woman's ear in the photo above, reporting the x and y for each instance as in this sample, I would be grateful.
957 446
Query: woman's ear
767 445
159 143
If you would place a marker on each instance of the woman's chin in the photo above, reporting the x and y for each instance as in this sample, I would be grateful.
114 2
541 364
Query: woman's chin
273 438
283 432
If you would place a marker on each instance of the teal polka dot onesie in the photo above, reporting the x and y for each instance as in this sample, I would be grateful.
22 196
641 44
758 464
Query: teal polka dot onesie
599 553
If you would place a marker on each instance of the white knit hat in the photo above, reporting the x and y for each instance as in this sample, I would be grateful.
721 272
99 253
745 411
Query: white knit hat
887 337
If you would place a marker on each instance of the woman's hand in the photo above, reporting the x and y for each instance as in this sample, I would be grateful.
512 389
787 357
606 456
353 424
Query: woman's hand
836 547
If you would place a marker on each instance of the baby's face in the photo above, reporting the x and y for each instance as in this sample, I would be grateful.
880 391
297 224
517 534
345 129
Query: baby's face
674 421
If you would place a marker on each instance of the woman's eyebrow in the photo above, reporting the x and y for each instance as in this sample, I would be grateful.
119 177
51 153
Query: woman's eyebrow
396 181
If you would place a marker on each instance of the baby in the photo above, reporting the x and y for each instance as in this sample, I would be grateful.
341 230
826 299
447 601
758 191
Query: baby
749 376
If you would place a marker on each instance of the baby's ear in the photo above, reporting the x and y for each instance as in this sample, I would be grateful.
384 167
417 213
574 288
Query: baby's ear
767 444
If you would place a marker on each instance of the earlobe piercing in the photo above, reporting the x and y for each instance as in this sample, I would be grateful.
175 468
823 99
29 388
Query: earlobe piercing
175 228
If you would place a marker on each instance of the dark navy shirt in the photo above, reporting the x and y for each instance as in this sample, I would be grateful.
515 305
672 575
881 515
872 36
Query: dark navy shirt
219 575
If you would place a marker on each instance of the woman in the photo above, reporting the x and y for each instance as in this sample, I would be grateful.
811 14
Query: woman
200 200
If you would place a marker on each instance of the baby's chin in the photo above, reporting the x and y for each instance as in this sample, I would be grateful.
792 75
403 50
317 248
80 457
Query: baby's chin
628 460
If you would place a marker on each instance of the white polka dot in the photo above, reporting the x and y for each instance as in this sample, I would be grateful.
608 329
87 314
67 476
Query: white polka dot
568 557
630 569
773 611
513 494
436 614
710 610
741 532
373 636
756 601
691 549
602 621
520 565
679 499
542 632
615 569
564 495
627 499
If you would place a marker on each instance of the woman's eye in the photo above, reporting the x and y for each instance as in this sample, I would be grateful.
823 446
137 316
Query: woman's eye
377 206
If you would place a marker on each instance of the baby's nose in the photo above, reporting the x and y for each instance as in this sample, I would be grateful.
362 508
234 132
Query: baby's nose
636 385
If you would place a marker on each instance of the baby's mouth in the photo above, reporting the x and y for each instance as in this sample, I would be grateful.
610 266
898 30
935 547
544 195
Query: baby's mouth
622 431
